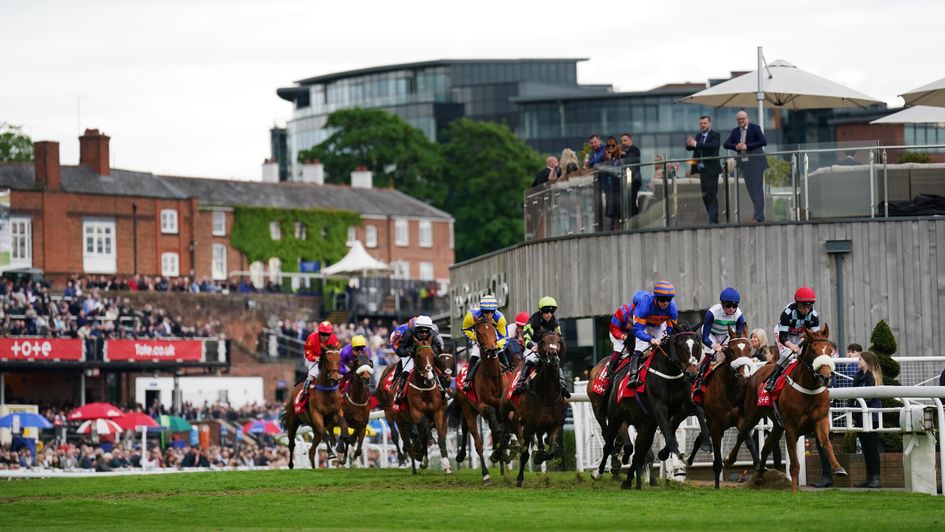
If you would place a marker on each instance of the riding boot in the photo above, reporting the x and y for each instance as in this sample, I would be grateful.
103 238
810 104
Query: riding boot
473 366
504 359
522 383
400 385
778 370
564 383
634 380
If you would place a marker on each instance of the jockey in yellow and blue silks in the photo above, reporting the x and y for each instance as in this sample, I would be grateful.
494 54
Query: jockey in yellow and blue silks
489 309
653 318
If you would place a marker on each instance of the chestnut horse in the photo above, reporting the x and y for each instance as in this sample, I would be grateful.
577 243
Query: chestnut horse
357 399
488 383
539 412
724 398
803 406
424 403
323 411
664 404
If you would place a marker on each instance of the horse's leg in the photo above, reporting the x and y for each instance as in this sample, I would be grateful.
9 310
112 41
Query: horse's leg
644 441
661 416
396 439
745 426
790 438
440 422
752 448
696 445
523 459
717 433
360 440
823 434
462 443
477 440
773 439
291 425
609 438
424 437
489 414
343 440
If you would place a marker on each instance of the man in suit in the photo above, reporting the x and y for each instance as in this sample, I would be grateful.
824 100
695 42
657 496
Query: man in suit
749 141
631 155
705 150
551 172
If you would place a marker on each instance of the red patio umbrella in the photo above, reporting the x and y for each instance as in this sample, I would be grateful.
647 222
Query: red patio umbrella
95 411
133 420
257 426
101 426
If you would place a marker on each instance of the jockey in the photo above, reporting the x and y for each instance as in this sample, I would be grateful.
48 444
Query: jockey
540 322
514 348
621 328
795 318
489 309
653 318
322 338
422 329
352 351
398 332
718 319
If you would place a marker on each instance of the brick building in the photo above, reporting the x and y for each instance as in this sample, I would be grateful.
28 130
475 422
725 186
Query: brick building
93 219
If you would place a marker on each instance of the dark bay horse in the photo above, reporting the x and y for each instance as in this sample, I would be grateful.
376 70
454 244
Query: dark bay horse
357 399
488 384
724 398
623 445
664 404
539 412
424 403
803 406
323 410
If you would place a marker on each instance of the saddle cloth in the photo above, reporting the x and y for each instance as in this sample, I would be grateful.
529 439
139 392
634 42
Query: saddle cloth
603 378
461 383
625 391
766 399
699 387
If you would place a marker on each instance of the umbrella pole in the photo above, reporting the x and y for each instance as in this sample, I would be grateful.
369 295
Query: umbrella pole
760 94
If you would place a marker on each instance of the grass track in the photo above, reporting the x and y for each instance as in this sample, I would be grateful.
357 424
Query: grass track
373 499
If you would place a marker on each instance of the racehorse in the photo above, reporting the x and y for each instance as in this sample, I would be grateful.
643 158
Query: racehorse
357 399
539 411
664 404
445 369
803 406
424 402
724 398
323 411
488 384
623 445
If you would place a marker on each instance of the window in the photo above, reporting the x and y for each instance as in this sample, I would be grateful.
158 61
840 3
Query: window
256 274
300 233
170 265
98 250
402 236
352 234
426 271
401 269
169 221
275 269
21 231
426 234
275 231
218 262
370 236
219 223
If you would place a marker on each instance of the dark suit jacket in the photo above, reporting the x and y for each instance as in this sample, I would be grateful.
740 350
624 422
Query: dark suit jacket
709 149
632 156
542 176
756 141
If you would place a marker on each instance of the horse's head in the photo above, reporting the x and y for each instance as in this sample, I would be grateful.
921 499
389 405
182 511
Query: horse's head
551 348
738 353
486 335
424 359
817 354
446 364
684 348
329 365
363 367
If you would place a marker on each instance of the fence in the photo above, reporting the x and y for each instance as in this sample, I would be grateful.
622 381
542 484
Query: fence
915 392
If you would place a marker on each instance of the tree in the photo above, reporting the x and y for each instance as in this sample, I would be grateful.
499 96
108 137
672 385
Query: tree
397 153
15 147
883 346
488 169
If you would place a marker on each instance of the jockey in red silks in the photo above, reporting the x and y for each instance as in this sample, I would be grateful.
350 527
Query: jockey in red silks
322 338
621 328
653 318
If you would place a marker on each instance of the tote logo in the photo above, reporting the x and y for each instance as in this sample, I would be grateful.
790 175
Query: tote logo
31 349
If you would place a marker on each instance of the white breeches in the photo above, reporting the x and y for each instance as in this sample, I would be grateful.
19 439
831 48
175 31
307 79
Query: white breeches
474 351
656 331
618 344
531 356
406 363
312 369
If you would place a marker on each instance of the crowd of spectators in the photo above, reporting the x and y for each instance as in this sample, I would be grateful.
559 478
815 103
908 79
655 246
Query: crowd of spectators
28 309
293 333
144 283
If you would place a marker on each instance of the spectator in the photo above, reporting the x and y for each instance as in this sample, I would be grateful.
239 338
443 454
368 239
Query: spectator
869 374
596 155
549 174
569 163
760 350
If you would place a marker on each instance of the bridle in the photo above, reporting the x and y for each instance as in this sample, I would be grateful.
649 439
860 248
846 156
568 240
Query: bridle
673 359
806 350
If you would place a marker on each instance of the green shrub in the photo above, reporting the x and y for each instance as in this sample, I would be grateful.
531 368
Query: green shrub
913 157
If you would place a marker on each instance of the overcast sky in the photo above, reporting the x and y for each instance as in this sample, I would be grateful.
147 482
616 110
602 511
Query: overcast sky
188 87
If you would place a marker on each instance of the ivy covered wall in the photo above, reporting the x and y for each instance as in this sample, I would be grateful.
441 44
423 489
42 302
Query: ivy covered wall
326 232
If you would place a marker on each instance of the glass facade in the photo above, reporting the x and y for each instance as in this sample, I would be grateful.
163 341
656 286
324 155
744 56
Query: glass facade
426 95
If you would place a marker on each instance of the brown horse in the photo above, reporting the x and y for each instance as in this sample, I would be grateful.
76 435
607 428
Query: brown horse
357 400
323 411
539 412
384 400
802 407
424 403
488 383
724 398
622 448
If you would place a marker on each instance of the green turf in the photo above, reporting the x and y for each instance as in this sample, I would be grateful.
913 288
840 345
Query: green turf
373 499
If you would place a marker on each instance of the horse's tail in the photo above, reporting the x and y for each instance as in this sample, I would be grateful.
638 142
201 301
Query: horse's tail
454 414
283 414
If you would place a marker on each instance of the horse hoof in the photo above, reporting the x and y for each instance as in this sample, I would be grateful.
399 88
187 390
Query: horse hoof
595 474
663 455
518 483
626 484
460 457
840 472
487 480
291 465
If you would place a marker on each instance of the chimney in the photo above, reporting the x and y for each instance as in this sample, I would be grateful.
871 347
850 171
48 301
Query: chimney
270 171
313 172
93 151
46 164
362 178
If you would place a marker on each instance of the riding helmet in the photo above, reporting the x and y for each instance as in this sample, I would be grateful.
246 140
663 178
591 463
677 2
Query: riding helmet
423 322
805 294
325 328
664 289
547 302
488 303
730 294
521 319
358 341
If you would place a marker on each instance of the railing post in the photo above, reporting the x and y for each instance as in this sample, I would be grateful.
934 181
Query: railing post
666 193
795 192
885 186
806 187
872 183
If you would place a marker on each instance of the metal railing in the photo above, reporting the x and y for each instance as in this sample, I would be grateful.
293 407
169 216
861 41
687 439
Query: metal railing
807 183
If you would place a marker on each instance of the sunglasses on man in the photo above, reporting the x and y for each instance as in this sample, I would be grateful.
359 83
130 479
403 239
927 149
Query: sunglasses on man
729 304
